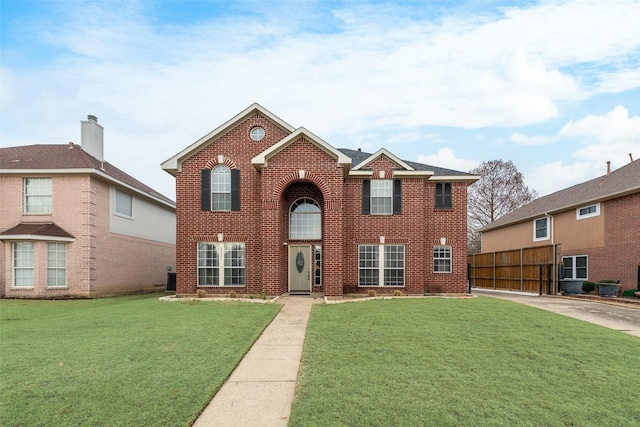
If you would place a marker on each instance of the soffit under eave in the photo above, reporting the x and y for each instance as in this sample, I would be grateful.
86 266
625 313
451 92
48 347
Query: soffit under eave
173 165
262 159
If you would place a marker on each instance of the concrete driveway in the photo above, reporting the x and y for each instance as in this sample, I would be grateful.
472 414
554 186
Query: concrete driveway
621 318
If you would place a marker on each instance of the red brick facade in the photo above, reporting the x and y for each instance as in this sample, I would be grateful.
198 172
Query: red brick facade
307 167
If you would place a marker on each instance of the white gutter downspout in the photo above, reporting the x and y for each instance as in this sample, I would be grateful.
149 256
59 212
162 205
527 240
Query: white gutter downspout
554 269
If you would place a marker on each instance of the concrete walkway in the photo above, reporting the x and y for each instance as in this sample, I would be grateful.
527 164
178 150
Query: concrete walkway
621 318
260 390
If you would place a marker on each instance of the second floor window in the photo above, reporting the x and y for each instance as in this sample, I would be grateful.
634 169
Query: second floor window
124 203
305 221
382 196
220 189
37 195
443 195
541 229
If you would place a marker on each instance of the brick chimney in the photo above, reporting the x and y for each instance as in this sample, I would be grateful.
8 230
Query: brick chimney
92 135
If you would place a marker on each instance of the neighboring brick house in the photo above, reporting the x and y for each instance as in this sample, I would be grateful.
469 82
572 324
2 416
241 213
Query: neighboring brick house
265 208
596 224
73 225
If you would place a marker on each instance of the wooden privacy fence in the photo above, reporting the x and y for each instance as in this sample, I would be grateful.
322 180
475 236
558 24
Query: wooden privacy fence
523 270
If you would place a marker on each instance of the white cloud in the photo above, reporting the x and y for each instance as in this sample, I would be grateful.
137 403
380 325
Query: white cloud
446 158
521 139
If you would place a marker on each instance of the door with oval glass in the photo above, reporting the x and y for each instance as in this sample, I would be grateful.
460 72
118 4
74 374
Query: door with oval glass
300 264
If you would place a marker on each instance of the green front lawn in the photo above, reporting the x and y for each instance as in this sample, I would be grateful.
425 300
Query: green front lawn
129 361
452 362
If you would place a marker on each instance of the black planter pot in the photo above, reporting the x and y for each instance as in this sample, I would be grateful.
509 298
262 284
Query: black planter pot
571 287
608 289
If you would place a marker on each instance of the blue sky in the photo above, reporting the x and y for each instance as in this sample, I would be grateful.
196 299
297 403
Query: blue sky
553 86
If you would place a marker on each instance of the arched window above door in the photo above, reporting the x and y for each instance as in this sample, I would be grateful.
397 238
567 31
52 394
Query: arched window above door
305 220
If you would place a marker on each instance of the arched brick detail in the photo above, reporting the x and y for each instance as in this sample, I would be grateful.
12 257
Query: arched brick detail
295 177
227 161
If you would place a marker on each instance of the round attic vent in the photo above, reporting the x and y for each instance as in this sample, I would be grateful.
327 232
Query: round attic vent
257 133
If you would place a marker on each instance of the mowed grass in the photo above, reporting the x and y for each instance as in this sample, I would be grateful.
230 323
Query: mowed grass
454 362
128 361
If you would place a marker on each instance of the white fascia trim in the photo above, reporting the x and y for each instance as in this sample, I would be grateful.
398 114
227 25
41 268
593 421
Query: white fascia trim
174 164
464 178
413 173
386 153
261 159
36 237
87 171
353 173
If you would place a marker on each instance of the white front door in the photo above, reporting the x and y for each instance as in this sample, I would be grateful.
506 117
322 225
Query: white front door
300 264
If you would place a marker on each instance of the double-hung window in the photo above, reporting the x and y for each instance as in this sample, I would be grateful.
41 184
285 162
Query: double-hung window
220 189
38 195
221 264
443 195
124 204
575 267
541 229
442 259
381 265
56 265
23 264
382 196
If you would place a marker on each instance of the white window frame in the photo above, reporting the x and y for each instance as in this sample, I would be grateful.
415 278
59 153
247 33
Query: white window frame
223 271
317 257
535 222
574 267
43 193
122 197
596 211
56 264
381 189
442 258
221 188
382 265
310 226
20 265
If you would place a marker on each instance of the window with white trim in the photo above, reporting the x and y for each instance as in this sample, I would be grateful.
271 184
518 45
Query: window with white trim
22 264
442 259
56 265
541 229
381 265
443 195
124 203
317 266
305 221
221 264
221 188
588 211
576 267
381 196
38 195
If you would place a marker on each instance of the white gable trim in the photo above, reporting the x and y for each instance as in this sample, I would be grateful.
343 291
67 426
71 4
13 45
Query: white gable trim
386 153
174 164
261 159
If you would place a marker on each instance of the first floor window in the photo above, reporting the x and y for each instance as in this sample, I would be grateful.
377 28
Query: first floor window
442 259
541 229
23 264
381 265
575 267
56 265
221 264
317 266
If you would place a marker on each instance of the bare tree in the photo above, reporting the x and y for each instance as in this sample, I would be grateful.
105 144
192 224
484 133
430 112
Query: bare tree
500 190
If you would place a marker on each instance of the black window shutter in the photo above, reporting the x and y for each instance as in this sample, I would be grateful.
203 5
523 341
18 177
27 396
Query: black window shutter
205 189
366 196
447 195
235 189
397 196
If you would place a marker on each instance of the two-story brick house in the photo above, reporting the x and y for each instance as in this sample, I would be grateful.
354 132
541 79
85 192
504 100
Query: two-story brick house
595 223
74 225
263 207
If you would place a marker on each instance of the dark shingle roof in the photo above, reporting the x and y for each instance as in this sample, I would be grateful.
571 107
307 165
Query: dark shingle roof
358 157
70 156
620 182
48 229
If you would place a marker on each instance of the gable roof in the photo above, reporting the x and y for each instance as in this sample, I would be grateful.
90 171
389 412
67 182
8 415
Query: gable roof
261 159
620 182
70 158
36 231
360 158
174 164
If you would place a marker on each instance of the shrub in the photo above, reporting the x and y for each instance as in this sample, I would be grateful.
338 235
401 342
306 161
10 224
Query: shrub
397 293
607 281
232 294
588 287
372 293
201 293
